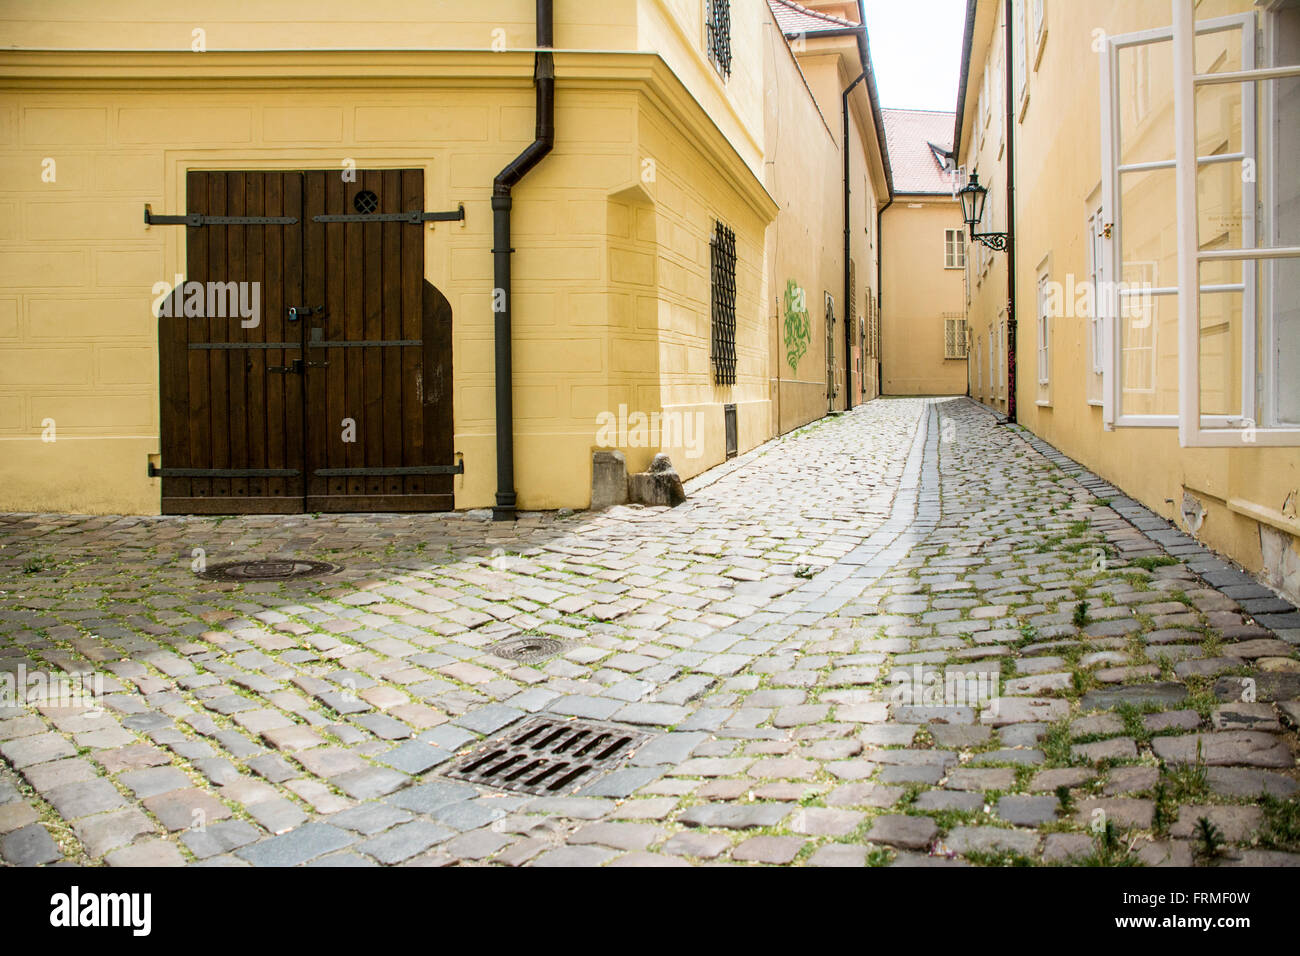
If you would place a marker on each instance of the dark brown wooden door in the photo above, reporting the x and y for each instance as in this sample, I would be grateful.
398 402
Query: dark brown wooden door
378 378
336 396
232 428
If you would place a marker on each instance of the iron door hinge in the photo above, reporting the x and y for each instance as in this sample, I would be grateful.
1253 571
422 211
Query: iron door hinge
195 220
415 218
397 472
156 472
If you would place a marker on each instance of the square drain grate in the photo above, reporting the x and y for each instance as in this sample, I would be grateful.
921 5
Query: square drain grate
548 756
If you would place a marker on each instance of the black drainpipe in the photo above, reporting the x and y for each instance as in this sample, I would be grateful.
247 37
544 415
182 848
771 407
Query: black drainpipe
848 332
1011 218
544 81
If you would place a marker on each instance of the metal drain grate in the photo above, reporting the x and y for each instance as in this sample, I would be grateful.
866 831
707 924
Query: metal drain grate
527 650
273 570
547 756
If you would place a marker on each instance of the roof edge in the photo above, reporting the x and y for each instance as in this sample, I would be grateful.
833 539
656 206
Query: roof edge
963 75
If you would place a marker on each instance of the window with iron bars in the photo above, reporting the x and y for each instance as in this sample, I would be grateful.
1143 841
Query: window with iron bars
954 335
717 17
722 256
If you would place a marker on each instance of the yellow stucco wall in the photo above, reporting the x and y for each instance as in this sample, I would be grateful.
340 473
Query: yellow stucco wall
1058 168
803 176
316 24
611 304
829 65
919 292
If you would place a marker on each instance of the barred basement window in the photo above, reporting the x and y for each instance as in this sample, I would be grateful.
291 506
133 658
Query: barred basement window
717 16
722 256
954 336
853 294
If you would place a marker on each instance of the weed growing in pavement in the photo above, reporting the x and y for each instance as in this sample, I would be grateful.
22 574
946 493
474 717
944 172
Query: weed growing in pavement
1281 829
1080 617
1108 849
1209 840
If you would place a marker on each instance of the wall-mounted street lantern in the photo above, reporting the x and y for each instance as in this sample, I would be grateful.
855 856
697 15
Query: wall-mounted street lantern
972 197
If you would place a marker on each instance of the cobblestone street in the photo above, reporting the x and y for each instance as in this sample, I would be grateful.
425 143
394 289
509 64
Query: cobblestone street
905 635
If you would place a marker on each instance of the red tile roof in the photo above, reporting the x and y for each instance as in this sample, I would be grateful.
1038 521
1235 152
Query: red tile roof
794 18
912 137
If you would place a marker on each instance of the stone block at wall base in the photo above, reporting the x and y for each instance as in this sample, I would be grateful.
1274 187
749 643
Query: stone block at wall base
609 484
661 485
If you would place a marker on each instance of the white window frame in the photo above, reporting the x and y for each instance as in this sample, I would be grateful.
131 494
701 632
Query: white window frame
954 248
1038 17
1112 380
985 110
1097 278
1044 333
993 367
1020 55
1192 425
1002 355
1269 338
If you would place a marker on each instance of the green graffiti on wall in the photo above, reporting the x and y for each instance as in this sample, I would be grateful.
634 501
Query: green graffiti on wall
798 328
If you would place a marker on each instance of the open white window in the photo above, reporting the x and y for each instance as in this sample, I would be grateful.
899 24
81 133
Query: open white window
1044 332
1223 341
1095 306
1138 301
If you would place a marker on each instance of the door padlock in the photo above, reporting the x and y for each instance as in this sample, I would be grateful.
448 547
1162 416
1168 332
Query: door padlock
299 311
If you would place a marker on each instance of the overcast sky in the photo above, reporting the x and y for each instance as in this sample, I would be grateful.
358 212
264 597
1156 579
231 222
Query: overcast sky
916 51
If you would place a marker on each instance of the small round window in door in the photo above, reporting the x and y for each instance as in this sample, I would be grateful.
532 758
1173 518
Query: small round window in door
365 202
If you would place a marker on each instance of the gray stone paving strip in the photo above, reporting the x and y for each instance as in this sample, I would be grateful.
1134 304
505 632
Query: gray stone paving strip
762 631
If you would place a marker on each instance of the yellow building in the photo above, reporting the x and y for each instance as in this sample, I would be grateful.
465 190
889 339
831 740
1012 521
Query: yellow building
1190 403
373 193
833 268
923 307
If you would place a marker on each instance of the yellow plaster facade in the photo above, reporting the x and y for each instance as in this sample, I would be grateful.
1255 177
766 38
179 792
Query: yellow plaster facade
611 231
1245 491
923 295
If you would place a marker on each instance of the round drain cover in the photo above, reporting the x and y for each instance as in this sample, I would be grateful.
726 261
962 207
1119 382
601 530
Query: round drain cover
527 650
270 570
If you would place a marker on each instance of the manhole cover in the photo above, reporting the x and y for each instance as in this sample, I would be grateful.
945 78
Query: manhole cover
273 570
527 650
548 756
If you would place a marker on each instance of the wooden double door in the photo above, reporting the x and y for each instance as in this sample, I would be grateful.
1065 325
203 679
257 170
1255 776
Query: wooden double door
306 363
